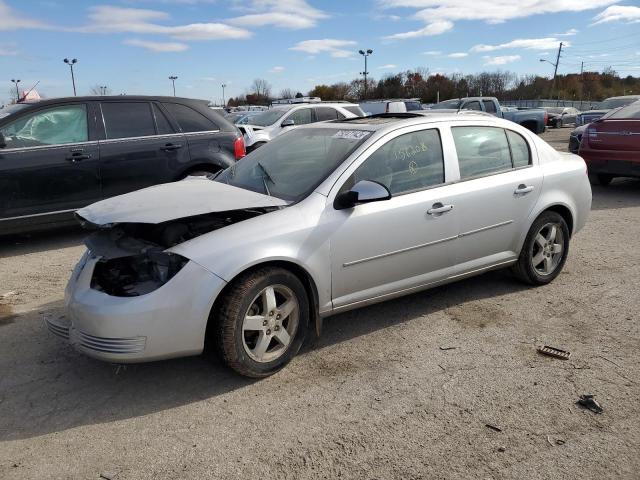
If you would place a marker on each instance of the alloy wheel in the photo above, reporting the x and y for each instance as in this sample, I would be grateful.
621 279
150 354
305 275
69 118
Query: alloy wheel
547 249
270 323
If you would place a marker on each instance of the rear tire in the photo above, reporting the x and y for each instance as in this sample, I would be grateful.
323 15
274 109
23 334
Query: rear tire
545 250
261 322
601 179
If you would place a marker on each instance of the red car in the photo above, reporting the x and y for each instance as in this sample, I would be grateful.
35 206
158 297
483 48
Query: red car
611 145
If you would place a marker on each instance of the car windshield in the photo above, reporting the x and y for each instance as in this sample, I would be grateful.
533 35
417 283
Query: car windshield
630 112
452 104
267 118
292 165
9 109
616 102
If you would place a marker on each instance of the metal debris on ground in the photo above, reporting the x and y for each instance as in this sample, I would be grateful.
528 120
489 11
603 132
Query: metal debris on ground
447 348
493 427
554 352
590 403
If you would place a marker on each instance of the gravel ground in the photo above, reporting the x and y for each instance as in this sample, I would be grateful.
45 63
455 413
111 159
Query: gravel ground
403 389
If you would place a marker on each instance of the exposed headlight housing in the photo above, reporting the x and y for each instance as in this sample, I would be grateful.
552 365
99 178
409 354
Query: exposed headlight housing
136 275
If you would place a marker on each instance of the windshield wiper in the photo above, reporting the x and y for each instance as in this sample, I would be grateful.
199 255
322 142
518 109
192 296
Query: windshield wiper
265 177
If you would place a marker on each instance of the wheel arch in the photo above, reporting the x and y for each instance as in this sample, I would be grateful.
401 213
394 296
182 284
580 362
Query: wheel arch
564 212
315 320
208 167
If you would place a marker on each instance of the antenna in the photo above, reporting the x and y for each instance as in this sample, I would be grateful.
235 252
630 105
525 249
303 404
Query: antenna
34 86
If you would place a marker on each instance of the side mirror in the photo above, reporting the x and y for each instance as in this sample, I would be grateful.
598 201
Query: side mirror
365 191
288 123
3 142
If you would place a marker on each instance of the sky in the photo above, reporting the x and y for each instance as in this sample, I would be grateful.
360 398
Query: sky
133 46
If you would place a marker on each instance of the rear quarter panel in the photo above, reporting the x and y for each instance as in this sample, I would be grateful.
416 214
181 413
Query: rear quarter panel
565 183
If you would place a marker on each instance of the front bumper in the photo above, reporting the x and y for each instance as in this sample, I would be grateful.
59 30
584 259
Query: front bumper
168 322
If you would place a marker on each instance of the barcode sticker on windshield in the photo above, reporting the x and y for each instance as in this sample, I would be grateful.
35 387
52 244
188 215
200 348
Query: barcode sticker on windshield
352 134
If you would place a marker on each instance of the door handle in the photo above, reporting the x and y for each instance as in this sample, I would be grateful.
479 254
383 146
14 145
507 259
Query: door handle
523 189
438 209
77 156
171 146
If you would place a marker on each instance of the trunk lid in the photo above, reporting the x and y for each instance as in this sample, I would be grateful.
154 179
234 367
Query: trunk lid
611 134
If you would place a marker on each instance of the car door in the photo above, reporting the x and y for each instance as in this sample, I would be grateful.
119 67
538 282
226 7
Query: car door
383 248
139 147
499 185
50 162
199 131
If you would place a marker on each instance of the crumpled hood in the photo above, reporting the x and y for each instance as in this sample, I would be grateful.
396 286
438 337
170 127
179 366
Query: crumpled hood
170 201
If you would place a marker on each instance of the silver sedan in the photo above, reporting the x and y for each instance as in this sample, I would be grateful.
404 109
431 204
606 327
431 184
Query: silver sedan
326 218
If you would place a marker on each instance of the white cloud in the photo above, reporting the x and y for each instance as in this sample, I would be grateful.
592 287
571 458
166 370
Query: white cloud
334 47
618 13
527 43
110 19
568 33
389 66
160 47
496 11
432 52
433 28
457 55
11 20
291 14
277 69
8 49
501 60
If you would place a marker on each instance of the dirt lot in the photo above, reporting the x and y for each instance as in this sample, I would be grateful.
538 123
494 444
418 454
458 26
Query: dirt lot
404 389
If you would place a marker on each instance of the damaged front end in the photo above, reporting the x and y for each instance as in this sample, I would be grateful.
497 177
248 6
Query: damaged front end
133 260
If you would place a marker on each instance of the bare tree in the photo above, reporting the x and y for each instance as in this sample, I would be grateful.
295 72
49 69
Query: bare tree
13 98
287 93
261 88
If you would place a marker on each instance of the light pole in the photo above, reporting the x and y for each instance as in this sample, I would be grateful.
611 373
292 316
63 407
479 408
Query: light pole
365 73
173 79
223 87
71 63
17 92
103 90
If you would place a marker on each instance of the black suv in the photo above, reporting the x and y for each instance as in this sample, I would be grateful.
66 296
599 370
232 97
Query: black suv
62 154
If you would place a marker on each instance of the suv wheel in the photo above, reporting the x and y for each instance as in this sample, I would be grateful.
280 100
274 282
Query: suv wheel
544 251
262 321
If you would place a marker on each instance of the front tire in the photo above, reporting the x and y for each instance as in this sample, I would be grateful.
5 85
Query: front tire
545 250
261 322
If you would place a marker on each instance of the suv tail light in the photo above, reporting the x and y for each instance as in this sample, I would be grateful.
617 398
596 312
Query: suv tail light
590 133
546 118
238 148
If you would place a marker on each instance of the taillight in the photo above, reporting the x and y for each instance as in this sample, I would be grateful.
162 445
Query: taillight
546 118
238 148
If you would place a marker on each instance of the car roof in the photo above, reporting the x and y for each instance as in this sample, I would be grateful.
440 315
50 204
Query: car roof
120 98
384 121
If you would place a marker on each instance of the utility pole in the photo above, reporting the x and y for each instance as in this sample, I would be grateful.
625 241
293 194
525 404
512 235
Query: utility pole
555 70
581 81
173 79
223 102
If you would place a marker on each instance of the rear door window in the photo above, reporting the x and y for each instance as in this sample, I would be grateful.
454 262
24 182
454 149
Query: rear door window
162 123
475 105
128 119
481 151
189 120
520 154
489 106
326 113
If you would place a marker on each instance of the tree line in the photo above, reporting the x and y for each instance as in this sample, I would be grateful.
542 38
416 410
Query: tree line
429 88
